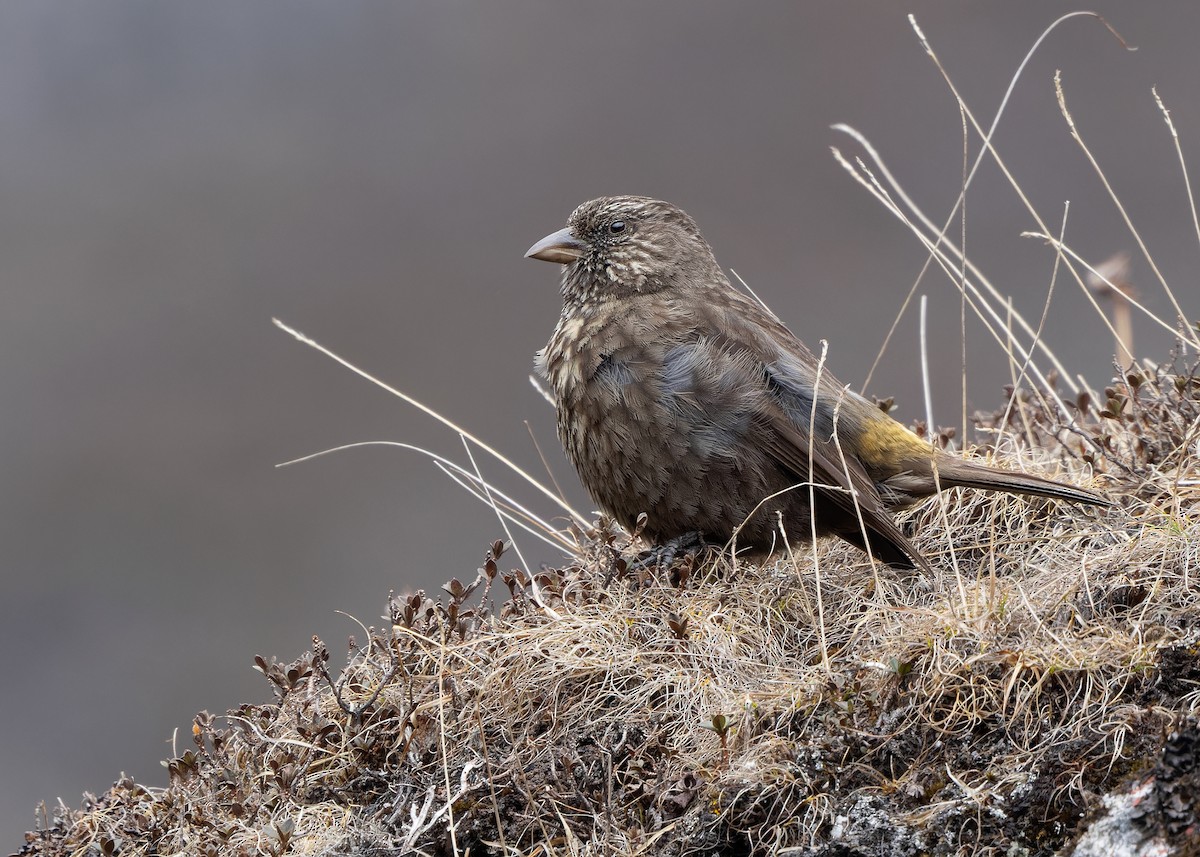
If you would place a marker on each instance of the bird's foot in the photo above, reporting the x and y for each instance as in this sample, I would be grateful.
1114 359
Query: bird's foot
688 545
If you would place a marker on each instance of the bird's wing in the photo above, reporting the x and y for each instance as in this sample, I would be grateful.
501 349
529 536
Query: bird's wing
786 370
847 486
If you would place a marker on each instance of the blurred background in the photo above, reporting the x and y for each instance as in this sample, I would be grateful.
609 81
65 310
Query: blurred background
174 175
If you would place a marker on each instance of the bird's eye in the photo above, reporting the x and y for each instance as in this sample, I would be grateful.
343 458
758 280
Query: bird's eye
616 227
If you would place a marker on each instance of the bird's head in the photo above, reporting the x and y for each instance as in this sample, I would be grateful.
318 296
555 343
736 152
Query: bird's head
618 246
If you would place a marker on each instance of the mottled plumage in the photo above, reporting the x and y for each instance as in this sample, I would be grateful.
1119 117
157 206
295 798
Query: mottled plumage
683 398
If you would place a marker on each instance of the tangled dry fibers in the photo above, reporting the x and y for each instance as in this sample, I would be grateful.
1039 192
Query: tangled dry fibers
815 706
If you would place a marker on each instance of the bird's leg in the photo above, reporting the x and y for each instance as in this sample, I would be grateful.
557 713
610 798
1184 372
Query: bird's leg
691 544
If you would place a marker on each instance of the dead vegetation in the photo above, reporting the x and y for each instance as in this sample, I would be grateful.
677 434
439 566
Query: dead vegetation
813 706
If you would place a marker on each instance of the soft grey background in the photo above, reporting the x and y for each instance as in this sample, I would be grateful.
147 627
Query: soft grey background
172 175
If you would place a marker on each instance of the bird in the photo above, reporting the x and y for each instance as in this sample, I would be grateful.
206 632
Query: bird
693 414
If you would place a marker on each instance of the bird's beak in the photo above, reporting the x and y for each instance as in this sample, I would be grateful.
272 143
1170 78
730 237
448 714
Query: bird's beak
560 246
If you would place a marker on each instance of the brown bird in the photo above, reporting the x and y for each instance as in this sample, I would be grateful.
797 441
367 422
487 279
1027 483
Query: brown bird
680 397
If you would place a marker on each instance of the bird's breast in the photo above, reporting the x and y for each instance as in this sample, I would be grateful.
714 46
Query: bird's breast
566 361
617 402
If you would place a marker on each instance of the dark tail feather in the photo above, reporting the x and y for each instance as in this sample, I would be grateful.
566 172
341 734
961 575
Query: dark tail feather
953 473
891 548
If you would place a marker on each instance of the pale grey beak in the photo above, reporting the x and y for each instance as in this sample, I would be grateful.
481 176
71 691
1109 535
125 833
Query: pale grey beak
560 246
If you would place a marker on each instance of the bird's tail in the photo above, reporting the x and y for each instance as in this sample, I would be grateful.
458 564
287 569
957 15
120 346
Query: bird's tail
956 472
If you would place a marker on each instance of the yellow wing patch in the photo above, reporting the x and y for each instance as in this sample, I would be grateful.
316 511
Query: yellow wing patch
885 443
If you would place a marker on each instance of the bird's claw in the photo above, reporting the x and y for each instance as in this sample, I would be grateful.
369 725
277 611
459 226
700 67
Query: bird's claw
690 544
